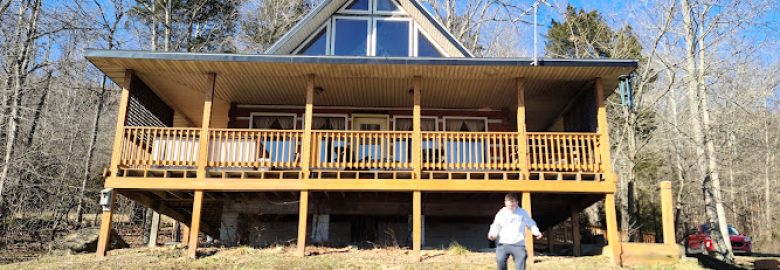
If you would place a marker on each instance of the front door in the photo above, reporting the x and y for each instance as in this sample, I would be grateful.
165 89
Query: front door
370 122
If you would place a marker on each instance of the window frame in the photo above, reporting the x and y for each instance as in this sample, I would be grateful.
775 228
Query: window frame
374 36
416 42
308 40
436 119
253 114
485 119
332 41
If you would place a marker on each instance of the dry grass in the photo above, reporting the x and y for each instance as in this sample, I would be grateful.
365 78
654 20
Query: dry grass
283 258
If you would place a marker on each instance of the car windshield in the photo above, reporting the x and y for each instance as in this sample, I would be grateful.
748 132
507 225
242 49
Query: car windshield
733 231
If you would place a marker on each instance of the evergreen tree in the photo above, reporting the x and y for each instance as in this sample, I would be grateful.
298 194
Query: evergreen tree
587 35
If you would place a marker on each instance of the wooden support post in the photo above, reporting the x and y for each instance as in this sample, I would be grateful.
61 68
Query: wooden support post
119 133
606 165
575 232
203 144
417 225
529 238
154 230
550 240
521 129
417 129
303 211
613 236
185 234
667 213
104 238
307 119
197 207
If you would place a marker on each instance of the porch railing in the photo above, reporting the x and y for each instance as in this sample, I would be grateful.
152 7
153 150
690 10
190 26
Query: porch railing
471 151
149 147
361 150
568 152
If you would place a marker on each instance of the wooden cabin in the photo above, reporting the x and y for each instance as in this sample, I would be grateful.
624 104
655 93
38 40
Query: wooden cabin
368 121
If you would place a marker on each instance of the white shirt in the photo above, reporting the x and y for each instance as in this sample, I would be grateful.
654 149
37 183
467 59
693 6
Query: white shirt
509 227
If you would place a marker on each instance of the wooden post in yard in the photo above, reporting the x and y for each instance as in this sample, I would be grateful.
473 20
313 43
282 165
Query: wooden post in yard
185 234
104 238
197 206
575 232
529 238
303 211
417 225
613 236
667 213
523 144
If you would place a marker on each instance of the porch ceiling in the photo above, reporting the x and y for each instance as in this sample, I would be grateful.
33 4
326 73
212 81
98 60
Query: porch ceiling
181 79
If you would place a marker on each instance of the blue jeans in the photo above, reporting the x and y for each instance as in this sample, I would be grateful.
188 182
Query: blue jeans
516 250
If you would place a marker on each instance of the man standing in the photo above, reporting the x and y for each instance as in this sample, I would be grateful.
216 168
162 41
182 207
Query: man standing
508 230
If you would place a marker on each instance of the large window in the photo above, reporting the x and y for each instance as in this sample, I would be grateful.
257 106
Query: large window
272 121
392 37
351 37
370 28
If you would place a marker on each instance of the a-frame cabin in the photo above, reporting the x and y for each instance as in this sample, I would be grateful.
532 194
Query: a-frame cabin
367 122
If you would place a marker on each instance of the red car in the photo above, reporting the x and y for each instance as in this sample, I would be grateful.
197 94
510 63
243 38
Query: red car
700 242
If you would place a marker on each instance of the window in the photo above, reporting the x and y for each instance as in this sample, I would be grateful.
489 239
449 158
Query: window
351 37
392 38
358 5
386 5
404 123
272 121
329 122
317 45
475 124
425 47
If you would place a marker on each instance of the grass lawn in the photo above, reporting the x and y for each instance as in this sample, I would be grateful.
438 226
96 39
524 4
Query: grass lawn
283 258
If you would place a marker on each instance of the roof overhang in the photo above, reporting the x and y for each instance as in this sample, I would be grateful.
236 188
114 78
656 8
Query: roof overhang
360 81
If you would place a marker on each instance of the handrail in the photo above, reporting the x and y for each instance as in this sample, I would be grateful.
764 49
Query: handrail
254 148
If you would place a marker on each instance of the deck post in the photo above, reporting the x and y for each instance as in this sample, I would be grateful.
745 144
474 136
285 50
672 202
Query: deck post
417 129
667 213
104 238
303 211
521 129
119 133
529 238
606 161
417 225
185 234
575 232
197 206
203 144
613 236
306 141
154 230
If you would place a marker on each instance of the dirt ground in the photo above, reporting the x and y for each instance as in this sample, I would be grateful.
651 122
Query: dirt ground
283 258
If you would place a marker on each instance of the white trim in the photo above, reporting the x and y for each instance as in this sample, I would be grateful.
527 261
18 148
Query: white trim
253 114
436 119
400 11
408 32
416 48
354 18
344 9
297 28
305 42
257 106
465 117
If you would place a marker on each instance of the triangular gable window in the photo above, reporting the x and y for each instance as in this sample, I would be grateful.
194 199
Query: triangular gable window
425 47
361 5
386 5
317 45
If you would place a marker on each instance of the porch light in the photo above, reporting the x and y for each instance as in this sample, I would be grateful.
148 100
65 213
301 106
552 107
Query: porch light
318 90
